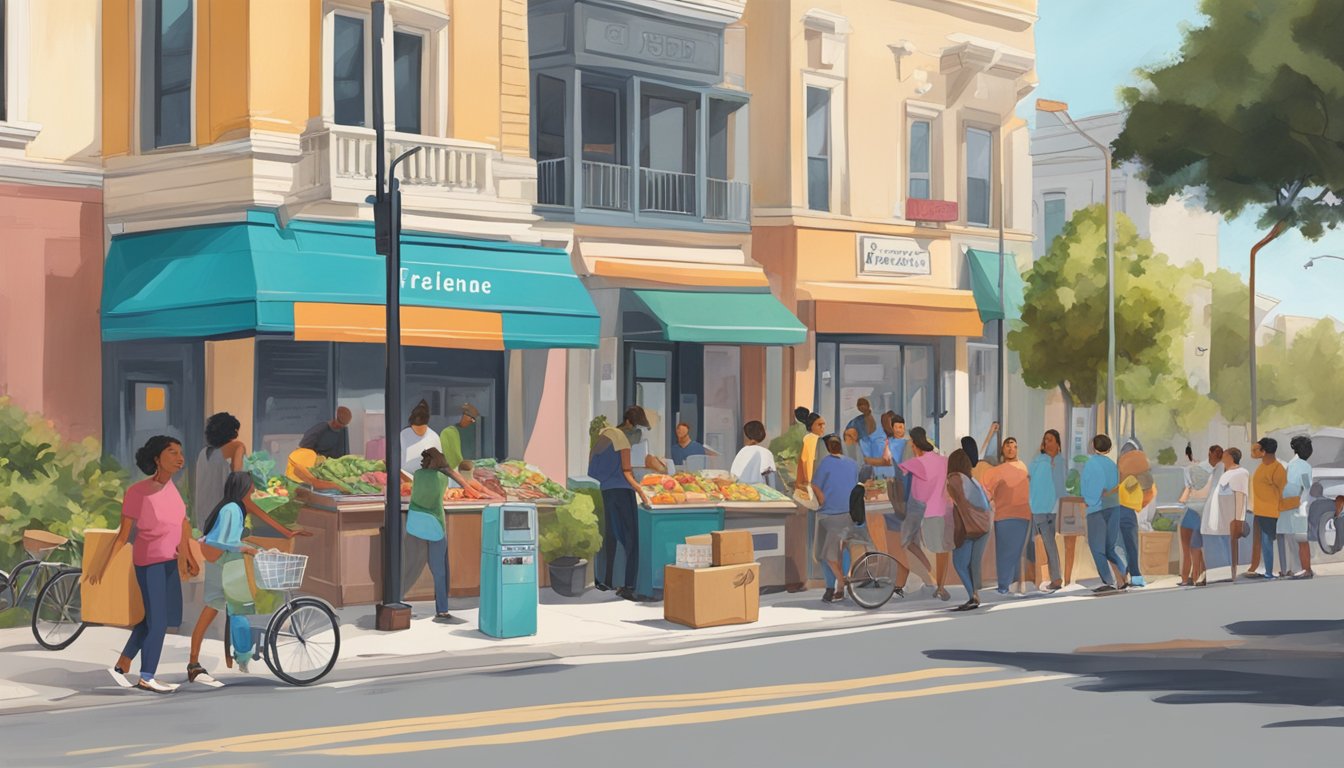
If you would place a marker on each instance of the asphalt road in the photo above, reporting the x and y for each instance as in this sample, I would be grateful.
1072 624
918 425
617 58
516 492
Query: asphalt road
1250 674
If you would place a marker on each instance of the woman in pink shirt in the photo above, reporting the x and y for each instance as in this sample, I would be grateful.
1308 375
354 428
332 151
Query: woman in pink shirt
162 533
928 505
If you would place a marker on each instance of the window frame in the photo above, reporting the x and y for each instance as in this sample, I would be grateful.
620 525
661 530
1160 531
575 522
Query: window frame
911 175
426 97
689 102
1048 197
4 61
990 214
621 91
329 70
146 82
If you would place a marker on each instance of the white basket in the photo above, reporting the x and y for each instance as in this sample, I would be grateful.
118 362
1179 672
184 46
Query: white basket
279 570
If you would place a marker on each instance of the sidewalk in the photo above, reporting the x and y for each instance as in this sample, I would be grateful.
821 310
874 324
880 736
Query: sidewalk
595 625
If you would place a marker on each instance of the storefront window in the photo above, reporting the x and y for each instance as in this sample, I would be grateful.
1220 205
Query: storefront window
449 378
360 381
893 377
408 57
919 388
723 403
294 392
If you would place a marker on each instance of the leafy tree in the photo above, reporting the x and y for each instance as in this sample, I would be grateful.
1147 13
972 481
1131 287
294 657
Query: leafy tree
1251 115
1312 398
1229 353
1062 339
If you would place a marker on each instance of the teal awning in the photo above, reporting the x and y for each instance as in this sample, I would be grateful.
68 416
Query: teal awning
984 266
722 317
247 277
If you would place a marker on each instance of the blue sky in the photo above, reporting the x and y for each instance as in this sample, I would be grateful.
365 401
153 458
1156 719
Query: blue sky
1087 49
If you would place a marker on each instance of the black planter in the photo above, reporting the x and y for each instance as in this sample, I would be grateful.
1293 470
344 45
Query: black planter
569 576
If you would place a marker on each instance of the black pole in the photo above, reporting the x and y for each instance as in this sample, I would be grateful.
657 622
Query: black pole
391 613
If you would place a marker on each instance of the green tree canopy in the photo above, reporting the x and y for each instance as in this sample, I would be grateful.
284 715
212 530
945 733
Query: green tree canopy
1062 339
1251 114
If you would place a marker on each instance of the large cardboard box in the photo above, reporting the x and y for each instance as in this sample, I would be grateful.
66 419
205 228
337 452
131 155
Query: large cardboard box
1072 516
703 539
1155 552
732 548
712 597
116 601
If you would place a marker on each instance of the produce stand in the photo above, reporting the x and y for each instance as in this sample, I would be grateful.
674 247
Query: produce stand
661 529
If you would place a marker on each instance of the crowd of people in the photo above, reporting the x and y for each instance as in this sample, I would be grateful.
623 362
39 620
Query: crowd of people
950 506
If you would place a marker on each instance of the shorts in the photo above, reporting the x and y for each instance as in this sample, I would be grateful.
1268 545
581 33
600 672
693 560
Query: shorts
832 533
937 534
1191 523
912 526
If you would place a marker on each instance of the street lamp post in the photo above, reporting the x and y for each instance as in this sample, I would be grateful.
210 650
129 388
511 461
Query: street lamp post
1315 259
390 614
1112 413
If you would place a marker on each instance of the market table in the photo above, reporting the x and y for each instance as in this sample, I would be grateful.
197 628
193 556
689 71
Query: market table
345 552
661 529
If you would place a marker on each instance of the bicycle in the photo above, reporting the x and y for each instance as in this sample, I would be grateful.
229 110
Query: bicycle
49 574
294 645
872 577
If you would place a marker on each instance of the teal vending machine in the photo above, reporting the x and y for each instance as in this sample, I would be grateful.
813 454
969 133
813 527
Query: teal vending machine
509 570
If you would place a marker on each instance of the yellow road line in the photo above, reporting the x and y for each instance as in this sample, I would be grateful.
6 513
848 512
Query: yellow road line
689 718
317 737
101 750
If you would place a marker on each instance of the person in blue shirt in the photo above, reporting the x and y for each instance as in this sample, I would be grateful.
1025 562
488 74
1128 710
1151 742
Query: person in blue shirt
835 477
684 447
1292 523
1046 475
1100 481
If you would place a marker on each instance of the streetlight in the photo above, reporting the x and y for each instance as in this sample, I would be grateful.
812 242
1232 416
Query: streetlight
1315 259
1112 413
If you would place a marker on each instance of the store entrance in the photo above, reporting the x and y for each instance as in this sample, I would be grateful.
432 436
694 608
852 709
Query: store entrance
151 389
650 384
893 376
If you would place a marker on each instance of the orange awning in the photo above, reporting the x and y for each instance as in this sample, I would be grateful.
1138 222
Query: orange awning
881 309
420 326
678 274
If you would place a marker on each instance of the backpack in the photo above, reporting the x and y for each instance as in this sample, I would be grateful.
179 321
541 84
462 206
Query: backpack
858 506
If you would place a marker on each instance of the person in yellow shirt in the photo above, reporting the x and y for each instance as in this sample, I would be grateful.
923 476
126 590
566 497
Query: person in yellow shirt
1267 499
1135 492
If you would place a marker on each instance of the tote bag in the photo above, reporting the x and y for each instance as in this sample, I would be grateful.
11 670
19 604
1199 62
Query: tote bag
424 525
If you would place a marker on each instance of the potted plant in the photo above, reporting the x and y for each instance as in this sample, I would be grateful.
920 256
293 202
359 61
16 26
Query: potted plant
568 539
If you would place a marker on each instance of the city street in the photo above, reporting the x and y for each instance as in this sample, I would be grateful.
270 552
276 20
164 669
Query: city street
1230 675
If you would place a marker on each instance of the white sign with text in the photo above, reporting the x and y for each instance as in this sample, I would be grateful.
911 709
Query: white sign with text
893 256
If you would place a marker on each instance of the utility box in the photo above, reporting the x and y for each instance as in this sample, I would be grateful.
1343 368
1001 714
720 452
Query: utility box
509 570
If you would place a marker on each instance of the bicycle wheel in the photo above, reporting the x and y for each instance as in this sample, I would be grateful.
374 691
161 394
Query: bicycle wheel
872 580
21 585
57 619
303 641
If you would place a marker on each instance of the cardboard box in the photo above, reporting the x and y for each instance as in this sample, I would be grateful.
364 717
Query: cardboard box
1155 552
732 548
703 539
1072 516
712 597
116 601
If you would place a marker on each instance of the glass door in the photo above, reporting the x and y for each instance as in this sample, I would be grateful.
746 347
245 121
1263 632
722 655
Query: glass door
649 385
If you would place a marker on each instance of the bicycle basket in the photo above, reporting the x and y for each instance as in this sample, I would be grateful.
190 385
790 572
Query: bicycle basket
279 570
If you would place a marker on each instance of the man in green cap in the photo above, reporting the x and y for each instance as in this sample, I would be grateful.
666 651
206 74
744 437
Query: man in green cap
452 436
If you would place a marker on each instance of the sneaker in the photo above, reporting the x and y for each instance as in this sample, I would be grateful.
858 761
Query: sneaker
827 596
1138 581
1002 590
154 686
1254 575
1104 589
1270 577
899 592
120 678
1302 575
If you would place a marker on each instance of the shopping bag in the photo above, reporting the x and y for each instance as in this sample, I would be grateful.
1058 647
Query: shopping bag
240 637
116 601
423 525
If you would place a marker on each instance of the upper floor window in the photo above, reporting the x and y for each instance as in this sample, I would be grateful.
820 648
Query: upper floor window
408 53
166 57
1054 215
920 184
818 149
979 174
603 135
669 126
1118 201
350 60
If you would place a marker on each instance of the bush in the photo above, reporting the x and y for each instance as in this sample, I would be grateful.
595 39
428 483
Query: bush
1167 457
571 532
50 483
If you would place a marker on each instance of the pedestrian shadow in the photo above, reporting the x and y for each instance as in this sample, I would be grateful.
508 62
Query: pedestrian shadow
1305 674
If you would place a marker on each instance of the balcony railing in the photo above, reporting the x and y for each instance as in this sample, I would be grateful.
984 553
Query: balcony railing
727 200
667 191
606 185
553 181
344 159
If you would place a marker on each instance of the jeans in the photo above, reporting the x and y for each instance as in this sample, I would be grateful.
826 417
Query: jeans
968 559
1129 538
1010 537
161 589
1269 530
415 552
1103 533
1044 526
829 572
621 525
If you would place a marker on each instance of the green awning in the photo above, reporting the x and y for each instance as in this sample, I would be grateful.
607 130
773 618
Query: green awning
721 317
984 266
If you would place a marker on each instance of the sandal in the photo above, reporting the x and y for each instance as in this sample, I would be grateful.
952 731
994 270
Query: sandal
943 594
197 674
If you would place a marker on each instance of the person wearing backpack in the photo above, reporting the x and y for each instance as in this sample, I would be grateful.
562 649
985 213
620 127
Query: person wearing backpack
971 518
832 485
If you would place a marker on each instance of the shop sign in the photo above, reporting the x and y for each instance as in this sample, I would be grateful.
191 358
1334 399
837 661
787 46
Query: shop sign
893 256
440 282
650 41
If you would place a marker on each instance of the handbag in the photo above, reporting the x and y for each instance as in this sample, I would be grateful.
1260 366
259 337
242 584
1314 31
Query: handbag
423 525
